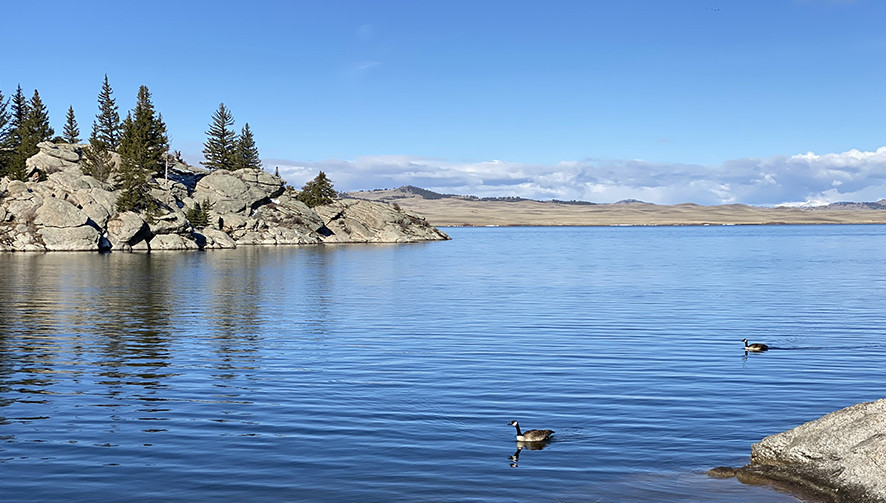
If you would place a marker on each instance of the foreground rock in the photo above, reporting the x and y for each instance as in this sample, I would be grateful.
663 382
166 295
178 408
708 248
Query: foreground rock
61 208
840 457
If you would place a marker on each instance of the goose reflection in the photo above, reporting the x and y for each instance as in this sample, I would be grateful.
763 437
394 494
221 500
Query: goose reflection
532 446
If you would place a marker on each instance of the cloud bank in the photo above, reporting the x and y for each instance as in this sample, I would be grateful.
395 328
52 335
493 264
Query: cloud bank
799 179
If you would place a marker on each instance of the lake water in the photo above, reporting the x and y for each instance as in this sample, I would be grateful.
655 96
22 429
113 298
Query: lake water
390 373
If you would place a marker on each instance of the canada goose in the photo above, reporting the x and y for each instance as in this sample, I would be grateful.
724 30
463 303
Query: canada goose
755 347
531 435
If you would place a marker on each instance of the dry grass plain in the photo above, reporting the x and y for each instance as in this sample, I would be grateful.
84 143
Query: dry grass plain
458 211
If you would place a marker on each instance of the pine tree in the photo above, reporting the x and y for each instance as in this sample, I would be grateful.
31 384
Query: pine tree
71 133
247 152
17 118
5 135
37 120
221 143
144 141
143 147
133 184
33 130
105 138
317 192
106 128
4 120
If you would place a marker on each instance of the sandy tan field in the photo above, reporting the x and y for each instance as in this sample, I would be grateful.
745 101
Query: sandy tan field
453 211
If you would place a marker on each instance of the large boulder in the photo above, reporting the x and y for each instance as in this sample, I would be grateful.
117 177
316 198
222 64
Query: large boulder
838 457
213 239
172 242
20 202
172 221
54 157
94 198
237 191
126 230
63 227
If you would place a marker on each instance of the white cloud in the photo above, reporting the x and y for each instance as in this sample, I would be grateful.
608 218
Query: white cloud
364 65
805 178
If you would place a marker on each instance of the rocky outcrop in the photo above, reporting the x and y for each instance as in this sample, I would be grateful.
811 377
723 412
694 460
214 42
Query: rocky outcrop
840 457
61 208
358 221
63 227
237 191
52 158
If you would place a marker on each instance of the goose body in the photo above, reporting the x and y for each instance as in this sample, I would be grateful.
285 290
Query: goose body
755 347
531 435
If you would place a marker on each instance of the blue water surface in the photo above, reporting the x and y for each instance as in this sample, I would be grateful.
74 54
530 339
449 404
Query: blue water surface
389 373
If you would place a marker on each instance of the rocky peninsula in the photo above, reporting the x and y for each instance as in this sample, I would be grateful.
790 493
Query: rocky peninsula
838 458
60 208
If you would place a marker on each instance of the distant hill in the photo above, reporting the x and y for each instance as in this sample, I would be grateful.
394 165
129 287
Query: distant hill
847 205
411 191
458 210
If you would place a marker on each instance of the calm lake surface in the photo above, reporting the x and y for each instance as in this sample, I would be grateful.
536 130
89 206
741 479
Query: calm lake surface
389 373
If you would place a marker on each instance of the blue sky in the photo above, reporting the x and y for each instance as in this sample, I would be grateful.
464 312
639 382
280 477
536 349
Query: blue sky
707 101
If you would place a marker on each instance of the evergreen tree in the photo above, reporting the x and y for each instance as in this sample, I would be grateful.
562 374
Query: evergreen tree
106 128
220 149
133 181
97 160
144 142
5 135
19 107
37 120
17 117
71 133
247 152
143 147
105 138
317 192
199 214
33 130
4 119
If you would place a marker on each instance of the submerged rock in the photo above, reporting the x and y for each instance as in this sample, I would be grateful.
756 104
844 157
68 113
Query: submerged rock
840 457
61 208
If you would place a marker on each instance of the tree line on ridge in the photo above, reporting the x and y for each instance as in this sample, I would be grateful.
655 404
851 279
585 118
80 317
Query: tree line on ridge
140 139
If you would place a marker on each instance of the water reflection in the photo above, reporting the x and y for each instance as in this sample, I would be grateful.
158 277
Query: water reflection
273 374
532 446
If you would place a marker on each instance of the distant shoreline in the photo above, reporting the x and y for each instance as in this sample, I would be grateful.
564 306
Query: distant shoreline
460 211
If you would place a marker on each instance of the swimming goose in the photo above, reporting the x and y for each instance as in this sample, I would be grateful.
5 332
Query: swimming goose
755 347
531 435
